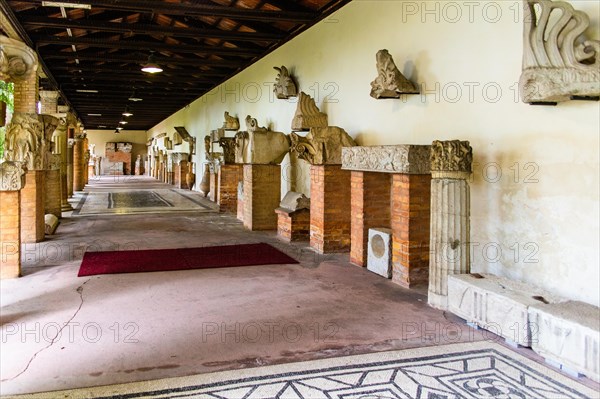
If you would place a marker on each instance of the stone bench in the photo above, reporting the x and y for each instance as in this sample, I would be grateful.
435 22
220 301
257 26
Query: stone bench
568 333
495 303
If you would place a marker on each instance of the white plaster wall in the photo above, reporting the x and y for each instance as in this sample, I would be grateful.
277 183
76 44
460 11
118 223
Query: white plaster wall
535 187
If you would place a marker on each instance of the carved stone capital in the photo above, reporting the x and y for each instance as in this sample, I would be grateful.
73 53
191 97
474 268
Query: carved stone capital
228 146
403 158
451 159
12 176
25 141
17 60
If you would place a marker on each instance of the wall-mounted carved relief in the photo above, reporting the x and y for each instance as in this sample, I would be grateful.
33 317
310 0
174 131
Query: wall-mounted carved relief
177 140
403 158
228 146
24 141
451 157
17 60
307 114
12 176
284 84
390 83
258 145
187 137
161 135
215 135
322 146
231 122
167 143
559 64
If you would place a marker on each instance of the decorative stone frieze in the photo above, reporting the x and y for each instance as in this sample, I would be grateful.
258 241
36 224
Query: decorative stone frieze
231 122
321 146
307 114
390 83
284 84
559 63
404 158
12 176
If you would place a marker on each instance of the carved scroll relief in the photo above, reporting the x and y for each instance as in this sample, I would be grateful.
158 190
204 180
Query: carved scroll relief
390 83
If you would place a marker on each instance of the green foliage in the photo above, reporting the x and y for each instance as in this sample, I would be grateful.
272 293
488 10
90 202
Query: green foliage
6 96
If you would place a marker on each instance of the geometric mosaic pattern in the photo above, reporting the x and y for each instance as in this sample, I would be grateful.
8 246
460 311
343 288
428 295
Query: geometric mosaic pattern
136 199
487 371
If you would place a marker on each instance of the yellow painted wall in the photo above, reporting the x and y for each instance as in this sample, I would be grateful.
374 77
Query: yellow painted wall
136 137
535 187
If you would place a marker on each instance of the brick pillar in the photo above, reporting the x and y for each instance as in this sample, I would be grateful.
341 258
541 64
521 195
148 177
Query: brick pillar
49 101
32 207
86 161
26 94
370 204
78 165
262 194
70 145
329 208
450 214
10 234
410 228
52 192
293 225
229 177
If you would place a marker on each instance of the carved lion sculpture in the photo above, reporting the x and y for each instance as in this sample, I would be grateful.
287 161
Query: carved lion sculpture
322 145
258 145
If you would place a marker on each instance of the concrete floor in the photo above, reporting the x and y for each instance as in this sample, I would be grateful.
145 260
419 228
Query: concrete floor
131 327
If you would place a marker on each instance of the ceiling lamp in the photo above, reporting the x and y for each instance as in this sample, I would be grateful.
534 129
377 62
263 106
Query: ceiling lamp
122 122
133 97
151 66
127 112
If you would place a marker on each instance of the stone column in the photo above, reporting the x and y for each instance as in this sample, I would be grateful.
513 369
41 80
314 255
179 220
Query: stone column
61 148
52 187
70 145
450 212
86 161
12 181
78 164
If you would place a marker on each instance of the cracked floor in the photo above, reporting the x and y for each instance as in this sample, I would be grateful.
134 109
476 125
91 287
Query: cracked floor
60 331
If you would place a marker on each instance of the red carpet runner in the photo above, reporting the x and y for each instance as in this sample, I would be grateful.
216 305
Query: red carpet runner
154 260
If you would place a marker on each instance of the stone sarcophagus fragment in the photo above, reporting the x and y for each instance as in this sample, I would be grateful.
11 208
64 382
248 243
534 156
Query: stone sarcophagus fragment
559 63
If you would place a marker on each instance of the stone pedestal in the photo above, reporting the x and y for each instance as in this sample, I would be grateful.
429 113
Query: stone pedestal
293 225
229 177
410 222
450 214
10 234
370 207
214 185
262 193
53 193
169 178
32 207
180 171
78 165
329 208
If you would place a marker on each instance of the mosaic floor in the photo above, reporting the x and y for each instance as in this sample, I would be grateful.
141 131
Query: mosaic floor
475 370
138 201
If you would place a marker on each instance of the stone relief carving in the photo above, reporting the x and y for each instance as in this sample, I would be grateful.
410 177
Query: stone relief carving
228 146
284 84
307 114
17 60
177 140
258 145
25 141
12 176
390 83
177 157
53 161
405 158
293 201
215 135
559 64
322 146
231 122
161 135
451 156
187 137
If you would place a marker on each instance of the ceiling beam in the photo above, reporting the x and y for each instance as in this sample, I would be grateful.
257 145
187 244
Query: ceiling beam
167 70
197 10
131 78
141 59
63 23
144 46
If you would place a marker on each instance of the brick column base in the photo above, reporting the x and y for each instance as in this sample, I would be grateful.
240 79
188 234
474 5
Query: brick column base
32 207
10 234
53 193
262 194
293 226
228 179
370 204
329 208
411 203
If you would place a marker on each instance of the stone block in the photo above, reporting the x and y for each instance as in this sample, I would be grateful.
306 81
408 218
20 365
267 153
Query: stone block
51 223
495 303
379 258
568 333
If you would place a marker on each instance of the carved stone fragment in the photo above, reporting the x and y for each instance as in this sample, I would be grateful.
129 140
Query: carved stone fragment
228 146
231 122
284 84
390 83
17 60
322 145
258 145
451 158
293 201
559 63
307 114
404 158
12 176
25 141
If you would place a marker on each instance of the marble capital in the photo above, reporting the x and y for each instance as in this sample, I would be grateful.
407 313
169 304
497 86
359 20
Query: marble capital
451 159
17 60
